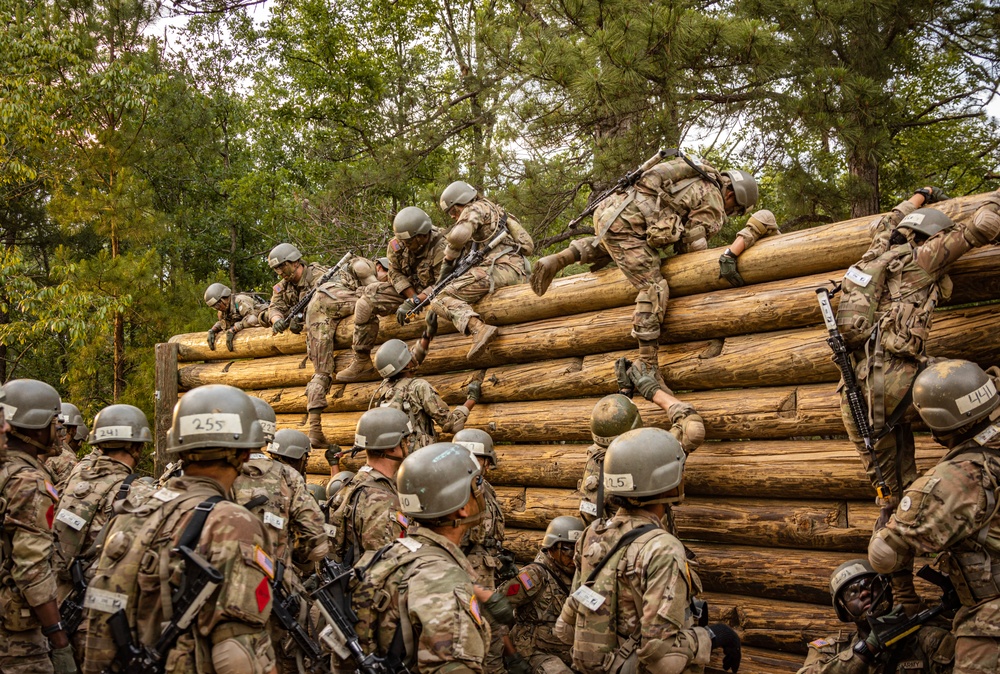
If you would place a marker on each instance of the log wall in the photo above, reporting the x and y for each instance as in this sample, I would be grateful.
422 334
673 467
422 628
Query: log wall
775 499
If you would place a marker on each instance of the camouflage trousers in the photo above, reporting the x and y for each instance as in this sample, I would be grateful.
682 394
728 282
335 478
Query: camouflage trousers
328 306
24 652
472 286
377 299
894 451
977 655
640 263
546 663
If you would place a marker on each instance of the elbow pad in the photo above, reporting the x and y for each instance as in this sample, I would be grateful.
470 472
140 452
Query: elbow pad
985 226
883 554
458 236
364 270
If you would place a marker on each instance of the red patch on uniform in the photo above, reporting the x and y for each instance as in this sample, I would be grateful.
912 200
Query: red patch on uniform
513 589
263 594
50 515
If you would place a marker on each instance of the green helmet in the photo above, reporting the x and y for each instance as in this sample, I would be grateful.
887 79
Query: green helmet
69 415
563 529
478 442
953 393
212 417
282 253
844 575
120 423
459 192
926 221
436 480
266 416
381 429
318 492
392 357
643 462
613 415
337 482
410 222
744 187
31 404
290 443
215 293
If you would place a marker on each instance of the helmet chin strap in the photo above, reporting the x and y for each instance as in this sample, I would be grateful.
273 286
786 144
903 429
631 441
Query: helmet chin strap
45 450
473 519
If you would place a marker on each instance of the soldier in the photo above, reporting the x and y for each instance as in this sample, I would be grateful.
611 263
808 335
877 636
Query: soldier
297 279
854 587
679 202
365 514
332 301
416 397
184 527
235 312
96 484
415 256
477 221
759 225
630 558
415 601
30 622
951 510
69 424
537 594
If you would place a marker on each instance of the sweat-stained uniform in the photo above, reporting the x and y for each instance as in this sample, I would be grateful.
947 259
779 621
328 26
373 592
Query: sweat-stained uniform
28 576
424 406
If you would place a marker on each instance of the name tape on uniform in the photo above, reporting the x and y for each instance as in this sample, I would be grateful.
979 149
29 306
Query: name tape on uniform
588 598
618 481
274 520
113 432
410 544
858 277
165 495
257 455
70 519
977 398
588 508
104 600
988 433
217 422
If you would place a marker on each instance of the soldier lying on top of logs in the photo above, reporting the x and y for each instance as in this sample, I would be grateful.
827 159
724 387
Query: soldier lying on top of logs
235 312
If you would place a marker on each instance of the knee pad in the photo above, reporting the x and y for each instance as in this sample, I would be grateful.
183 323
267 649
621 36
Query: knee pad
363 310
882 556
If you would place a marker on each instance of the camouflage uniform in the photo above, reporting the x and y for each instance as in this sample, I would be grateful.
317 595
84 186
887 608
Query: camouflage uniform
887 367
647 597
61 465
26 566
406 270
244 311
587 486
444 619
952 510
418 399
233 541
929 651
537 595
286 294
504 266
365 515
483 542
333 301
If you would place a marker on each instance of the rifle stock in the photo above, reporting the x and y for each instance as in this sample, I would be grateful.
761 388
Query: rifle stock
284 607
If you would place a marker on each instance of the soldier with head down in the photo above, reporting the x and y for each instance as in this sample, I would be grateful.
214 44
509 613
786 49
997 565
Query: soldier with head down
298 277
235 312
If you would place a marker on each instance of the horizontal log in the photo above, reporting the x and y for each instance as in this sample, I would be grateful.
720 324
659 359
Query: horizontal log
814 251
759 661
772 624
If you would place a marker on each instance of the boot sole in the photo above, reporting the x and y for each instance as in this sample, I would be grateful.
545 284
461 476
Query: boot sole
484 343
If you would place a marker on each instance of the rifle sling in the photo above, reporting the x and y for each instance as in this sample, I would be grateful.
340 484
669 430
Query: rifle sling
124 487
622 542
192 532
674 152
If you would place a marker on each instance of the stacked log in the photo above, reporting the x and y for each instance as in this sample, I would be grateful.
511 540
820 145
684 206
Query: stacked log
774 500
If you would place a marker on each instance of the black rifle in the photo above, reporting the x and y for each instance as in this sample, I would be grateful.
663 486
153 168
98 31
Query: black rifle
623 184
888 632
300 306
284 607
855 397
473 259
199 582
508 566
71 611
334 605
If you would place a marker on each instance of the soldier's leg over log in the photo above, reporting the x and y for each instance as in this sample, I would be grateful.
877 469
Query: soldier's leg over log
375 300
585 251
327 307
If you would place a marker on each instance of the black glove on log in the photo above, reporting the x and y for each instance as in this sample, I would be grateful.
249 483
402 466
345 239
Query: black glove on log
725 638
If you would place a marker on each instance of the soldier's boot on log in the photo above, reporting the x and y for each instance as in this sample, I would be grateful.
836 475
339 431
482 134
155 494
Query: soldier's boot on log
316 437
547 267
482 334
359 369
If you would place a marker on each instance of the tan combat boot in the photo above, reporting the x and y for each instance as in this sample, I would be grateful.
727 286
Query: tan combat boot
547 267
359 369
316 437
482 334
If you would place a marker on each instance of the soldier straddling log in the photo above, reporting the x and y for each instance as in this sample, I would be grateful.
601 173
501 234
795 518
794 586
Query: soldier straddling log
236 313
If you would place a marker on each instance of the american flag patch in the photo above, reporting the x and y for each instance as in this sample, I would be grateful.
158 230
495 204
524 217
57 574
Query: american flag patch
525 580
402 519
819 643
394 244
264 561
49 487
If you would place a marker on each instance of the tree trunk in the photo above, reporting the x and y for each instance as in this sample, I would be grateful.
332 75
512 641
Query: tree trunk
863 167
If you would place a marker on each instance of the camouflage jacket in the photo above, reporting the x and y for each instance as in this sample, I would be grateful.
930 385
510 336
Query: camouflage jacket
292 519
241 305
644 590
587 486
438 605
424 406
61 465
138 558
483 541
26 539
537 594
84 508
482 218
929 651
365 515
349 278
286 294
415 270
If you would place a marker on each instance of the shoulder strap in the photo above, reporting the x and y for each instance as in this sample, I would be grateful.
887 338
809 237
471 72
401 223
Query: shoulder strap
124 488
192 532
622 542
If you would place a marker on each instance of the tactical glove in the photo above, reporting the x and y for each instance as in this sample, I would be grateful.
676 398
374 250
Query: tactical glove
500 609
932 195
516 664
728 270
332 455
404 308
644 379
725 638
279 326
475 391
447 267
230 336
62 660
431 325
625 386
296 325
211 339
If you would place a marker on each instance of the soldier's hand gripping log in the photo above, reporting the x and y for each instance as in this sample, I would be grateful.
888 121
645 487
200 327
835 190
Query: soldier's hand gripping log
855 396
